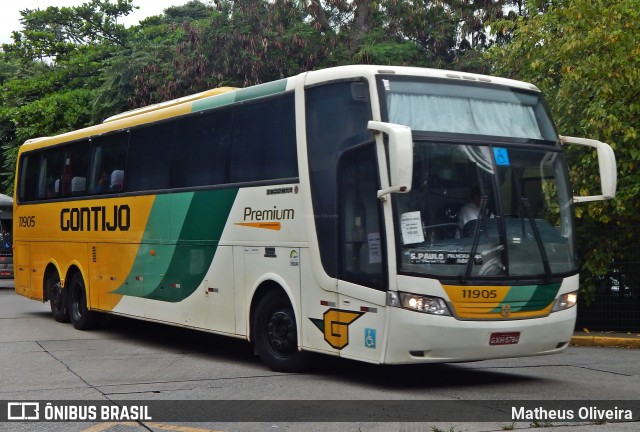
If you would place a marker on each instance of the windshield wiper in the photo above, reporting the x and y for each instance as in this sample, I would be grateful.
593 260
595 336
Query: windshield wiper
484 199
536 235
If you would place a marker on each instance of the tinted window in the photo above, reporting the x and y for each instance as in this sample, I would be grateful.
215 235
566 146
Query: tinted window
108 161
28 177
76 168
50 182
150 157
249 142
264 141
337 116
361 238
202 143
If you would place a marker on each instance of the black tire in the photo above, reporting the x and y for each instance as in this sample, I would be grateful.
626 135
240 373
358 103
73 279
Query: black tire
276 336
58 298
81 317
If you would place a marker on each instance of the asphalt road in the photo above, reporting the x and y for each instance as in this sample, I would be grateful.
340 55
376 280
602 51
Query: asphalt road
127 360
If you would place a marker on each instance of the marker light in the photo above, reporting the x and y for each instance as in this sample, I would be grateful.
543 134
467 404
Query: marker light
565 301
418 303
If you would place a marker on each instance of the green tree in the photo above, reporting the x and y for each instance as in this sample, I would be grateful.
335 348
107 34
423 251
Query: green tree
191 11
57 31
585 56
245 42
48 75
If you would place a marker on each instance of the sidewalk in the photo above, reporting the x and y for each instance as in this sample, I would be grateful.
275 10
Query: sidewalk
606 339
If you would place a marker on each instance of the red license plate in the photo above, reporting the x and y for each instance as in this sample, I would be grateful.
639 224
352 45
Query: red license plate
509 338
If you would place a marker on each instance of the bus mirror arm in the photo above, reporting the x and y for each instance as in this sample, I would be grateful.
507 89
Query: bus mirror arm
607 165
400 156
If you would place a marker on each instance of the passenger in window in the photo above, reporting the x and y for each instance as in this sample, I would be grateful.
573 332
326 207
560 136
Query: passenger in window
117 181
103 184
49 188
53 187
471 212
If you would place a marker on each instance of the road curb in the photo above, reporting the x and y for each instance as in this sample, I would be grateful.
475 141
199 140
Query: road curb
606 341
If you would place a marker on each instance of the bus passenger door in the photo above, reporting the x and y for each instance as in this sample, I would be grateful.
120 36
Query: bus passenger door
361 264
318 310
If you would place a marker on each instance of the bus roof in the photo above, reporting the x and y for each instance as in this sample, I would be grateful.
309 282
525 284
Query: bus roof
372 70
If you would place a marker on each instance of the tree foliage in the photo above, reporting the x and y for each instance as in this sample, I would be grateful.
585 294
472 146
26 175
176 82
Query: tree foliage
57 31
244 42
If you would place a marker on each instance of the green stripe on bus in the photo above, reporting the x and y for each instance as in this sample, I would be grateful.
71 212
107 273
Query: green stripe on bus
176 269
239 95
542 297
261 90
214 101
529 297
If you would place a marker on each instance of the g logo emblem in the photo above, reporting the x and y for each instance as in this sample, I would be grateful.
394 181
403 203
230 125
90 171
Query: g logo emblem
335 326
506 311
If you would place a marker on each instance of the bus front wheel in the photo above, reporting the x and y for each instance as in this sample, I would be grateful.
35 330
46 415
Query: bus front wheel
276 335
57 298
81 317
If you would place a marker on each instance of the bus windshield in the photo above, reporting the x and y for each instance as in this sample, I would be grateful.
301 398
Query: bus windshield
507 208
481 207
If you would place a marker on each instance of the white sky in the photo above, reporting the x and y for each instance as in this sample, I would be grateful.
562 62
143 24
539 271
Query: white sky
10 12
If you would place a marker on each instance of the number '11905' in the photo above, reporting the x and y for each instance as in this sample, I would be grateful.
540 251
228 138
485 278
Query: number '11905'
479 293
27 221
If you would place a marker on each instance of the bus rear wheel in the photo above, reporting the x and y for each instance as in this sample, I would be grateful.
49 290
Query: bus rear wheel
276 335
57 298
81 317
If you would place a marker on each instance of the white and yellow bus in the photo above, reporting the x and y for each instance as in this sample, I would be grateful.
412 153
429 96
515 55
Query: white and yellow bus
383 214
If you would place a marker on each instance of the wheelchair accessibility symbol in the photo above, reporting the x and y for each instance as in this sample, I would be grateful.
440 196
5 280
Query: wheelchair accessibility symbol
502 156
370 338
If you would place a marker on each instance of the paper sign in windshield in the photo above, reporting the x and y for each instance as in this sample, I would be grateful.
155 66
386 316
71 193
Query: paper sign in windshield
375 248
411 224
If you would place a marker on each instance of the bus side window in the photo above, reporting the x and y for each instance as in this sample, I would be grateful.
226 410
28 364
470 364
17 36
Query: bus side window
151 151
28 177
336 121
203 143
108 155
50 173
76 166
263 143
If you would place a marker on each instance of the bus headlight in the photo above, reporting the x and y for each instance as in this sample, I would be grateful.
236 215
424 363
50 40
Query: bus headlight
418 303
565 301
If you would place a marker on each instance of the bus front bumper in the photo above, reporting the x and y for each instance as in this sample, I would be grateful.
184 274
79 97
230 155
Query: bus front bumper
422 338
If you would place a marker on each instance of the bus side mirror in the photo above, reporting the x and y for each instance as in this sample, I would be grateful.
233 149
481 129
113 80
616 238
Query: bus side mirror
607 163
400 156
